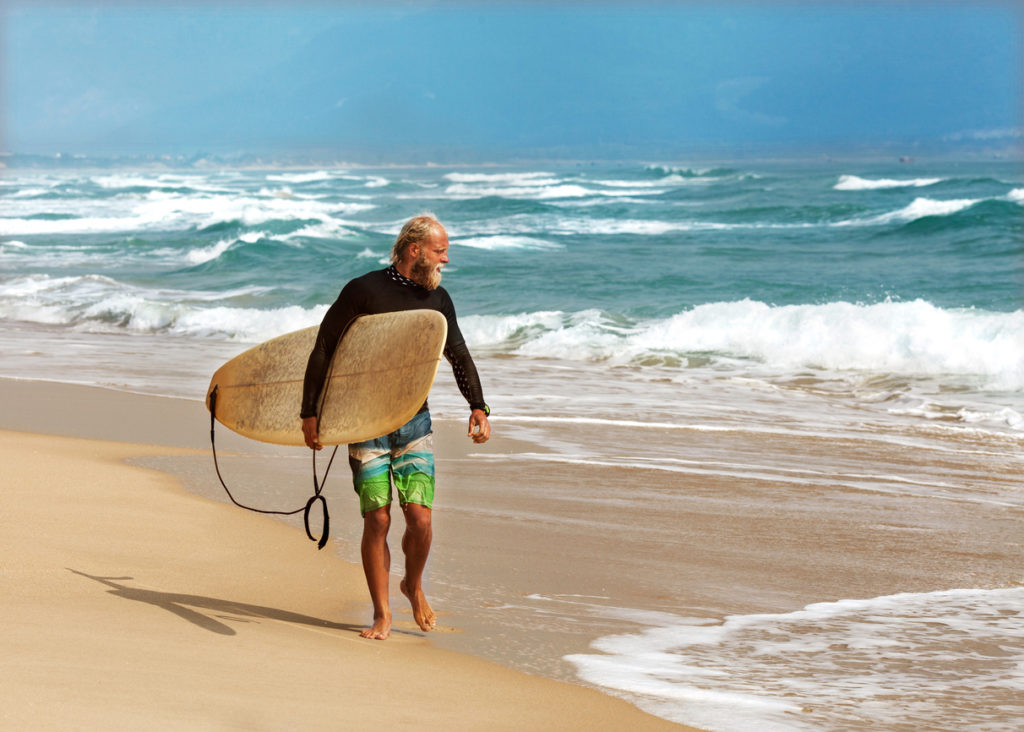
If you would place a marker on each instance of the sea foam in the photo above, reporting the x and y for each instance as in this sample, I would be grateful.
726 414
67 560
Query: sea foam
207 254
918 209
855 183
913 339
536 178
497 242
545 186
315 177
101 304
164 211
880 663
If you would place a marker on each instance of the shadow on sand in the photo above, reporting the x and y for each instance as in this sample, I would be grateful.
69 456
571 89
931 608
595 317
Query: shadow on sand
192 607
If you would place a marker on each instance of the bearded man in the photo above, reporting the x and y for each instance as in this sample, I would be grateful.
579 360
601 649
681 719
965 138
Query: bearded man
413 281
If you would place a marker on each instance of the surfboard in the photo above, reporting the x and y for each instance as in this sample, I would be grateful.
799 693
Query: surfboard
378 379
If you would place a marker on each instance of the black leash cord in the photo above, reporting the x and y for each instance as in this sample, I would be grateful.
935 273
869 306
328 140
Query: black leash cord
317 484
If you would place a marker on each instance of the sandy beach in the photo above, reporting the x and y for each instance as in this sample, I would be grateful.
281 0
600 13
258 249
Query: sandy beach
137 595
131 602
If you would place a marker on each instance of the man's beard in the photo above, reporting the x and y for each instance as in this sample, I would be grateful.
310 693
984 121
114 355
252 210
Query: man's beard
425 275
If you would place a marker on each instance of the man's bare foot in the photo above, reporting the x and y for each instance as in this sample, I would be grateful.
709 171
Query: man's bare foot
380 630
421 610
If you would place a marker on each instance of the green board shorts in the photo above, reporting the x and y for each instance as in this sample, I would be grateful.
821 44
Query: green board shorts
405 456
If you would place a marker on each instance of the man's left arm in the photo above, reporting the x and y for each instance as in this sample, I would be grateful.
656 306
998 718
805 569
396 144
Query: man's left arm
466 375
468 380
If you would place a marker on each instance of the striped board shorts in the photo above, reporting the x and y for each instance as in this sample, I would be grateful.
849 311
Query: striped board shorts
405 456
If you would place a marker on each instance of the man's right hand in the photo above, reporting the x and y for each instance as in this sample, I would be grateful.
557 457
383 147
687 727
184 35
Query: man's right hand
311 432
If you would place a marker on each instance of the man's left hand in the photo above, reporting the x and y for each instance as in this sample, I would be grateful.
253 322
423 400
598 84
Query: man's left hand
479 427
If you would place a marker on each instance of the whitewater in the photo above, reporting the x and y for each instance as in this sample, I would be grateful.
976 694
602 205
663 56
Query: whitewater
768 271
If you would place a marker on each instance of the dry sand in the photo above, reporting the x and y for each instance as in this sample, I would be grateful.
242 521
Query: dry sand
130 602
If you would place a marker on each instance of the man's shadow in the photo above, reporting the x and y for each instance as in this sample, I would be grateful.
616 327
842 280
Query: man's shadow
185 607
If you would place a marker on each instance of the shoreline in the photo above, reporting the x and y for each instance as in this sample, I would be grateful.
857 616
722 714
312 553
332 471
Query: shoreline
270 632
541 559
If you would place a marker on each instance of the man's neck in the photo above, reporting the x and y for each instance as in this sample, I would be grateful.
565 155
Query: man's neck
402 279
404 268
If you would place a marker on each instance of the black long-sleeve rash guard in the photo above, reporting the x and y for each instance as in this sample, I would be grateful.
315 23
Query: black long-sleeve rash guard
387 291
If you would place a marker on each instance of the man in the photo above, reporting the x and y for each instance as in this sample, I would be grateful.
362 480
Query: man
413 281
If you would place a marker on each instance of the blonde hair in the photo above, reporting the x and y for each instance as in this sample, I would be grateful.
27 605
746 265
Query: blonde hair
415 230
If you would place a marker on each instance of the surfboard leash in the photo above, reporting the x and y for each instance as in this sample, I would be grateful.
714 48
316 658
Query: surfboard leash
318 484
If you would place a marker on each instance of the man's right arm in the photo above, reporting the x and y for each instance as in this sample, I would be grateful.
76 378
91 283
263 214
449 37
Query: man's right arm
335 323
311 433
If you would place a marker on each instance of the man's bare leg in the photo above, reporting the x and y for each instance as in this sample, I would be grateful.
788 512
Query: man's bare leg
377 566
416 545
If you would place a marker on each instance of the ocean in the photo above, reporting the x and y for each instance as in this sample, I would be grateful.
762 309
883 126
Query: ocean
632 318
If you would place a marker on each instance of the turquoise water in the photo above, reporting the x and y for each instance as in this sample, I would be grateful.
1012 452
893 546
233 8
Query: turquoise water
634 241
726 315
864 271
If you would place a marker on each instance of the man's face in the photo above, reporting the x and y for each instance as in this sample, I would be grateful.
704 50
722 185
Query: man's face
433 255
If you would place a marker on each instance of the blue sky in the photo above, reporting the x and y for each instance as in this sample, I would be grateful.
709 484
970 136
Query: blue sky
411 81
